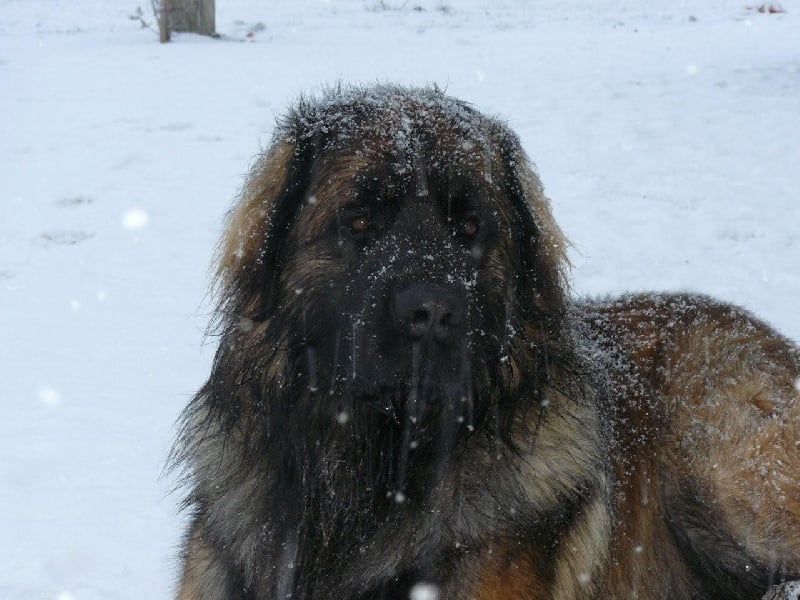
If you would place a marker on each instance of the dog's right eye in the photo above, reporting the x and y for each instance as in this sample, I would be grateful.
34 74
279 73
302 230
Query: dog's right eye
470 227
359 225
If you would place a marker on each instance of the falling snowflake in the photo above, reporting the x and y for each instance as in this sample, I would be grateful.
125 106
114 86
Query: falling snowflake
49 396
135 219
797 385
424 591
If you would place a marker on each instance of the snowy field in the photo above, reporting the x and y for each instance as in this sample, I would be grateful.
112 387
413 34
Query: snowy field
667 134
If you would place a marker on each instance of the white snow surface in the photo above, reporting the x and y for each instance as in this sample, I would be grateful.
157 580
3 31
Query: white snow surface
667 134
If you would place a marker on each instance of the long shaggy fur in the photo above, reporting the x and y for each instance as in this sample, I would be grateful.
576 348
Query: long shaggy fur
640 447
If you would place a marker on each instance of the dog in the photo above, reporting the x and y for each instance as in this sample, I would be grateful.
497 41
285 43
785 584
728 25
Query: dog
407 402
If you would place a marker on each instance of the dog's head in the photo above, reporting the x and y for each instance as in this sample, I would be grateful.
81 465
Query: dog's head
394 248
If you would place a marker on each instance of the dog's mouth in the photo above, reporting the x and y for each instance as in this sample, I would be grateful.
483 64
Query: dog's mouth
450 405
425 384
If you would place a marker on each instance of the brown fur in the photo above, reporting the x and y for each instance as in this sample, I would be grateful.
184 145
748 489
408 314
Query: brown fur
643 447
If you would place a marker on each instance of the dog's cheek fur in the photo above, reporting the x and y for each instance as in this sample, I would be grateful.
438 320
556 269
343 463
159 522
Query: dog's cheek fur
252 249
314 280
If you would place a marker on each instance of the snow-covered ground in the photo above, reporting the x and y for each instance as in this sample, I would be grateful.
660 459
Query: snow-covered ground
667 133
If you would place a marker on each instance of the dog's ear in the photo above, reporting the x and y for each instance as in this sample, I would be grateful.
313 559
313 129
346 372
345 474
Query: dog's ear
542 244
251 250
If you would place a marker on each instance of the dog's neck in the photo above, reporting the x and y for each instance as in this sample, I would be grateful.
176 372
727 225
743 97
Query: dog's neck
349 518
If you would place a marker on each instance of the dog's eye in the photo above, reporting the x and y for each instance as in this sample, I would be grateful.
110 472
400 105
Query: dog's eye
470 227
360 224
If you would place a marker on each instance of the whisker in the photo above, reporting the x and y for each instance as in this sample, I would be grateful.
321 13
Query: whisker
336 349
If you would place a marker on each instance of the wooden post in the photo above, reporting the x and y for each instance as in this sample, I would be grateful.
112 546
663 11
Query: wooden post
194 16
163 28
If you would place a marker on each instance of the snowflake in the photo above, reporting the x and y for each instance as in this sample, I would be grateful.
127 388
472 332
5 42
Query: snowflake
49 396
135 219
424 591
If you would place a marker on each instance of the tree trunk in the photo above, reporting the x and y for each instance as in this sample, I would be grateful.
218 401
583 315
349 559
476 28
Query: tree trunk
194 16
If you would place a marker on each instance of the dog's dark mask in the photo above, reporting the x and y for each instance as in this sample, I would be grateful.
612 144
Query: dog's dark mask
403 316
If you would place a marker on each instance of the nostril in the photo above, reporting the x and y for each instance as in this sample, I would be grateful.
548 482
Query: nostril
420 318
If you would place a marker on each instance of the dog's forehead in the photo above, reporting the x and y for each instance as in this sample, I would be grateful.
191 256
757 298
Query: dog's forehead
396 124
396 145
401 135
395 156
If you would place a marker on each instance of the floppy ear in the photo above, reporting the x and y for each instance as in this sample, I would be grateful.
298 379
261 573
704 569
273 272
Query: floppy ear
251 250
542 244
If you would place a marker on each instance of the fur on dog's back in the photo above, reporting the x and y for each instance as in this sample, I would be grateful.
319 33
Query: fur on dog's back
707 442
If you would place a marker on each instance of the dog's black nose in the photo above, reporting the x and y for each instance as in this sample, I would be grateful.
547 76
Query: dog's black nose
427 311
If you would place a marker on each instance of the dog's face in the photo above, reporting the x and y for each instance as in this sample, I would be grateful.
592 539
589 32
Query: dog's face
405 250
405 261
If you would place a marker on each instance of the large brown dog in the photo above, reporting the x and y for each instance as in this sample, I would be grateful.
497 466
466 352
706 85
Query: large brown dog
405 402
